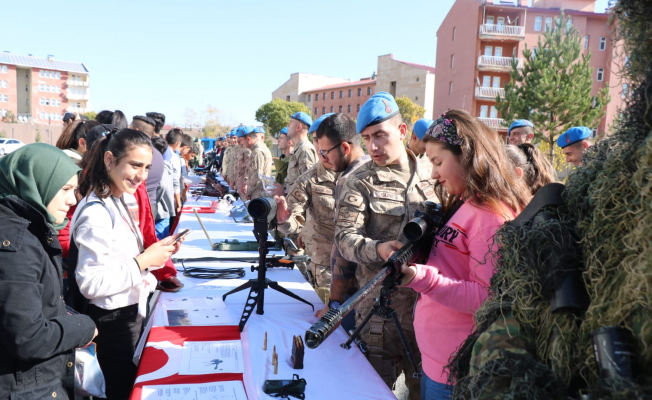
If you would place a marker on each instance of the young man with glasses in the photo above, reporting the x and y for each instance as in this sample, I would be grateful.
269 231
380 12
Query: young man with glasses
309 209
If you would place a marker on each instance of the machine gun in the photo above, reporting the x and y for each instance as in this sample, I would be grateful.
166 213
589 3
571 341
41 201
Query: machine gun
420 233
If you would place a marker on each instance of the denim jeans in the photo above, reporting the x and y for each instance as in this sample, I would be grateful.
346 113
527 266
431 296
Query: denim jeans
431 390
162 228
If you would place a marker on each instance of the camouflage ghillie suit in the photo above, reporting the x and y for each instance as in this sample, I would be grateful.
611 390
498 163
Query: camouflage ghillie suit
521 349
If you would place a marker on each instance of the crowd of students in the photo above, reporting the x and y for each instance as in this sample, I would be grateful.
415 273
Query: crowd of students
89 223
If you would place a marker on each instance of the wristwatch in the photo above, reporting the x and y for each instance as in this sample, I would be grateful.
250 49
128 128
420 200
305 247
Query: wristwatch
334 304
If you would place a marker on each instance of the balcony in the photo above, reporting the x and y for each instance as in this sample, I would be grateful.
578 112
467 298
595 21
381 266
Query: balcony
79 110
493 123
75 82
498 64
488 93
73 96
502 32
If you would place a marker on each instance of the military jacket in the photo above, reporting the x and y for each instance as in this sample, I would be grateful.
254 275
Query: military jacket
302 158
260 162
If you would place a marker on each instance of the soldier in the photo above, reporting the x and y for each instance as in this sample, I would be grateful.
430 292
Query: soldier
304 155
309 209
230 159
260 163
416 144
286 146
574 142
224 166
520 131
377 200
242 160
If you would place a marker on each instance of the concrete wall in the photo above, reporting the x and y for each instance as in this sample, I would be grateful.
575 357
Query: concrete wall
26 133
401 79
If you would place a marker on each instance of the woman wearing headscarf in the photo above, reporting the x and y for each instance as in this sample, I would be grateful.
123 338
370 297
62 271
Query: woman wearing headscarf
37 336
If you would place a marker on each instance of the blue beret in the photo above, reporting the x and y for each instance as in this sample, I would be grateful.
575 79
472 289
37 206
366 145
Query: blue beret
259 130
222 138
518 124
244 131
318 121
379 108
421 126
232 133
284 131
303 117
573 135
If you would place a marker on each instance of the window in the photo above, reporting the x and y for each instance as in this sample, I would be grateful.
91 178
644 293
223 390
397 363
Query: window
350 92
340 109
417 79
3 69
359 92
569 23
548 23
625 91
496 82
586 41
78 105
324 96
287 98
58 75
5 98
486 81
316 96
535 50
42 101
316 111
600 75
47 102
498 51
488 51
358 107
332 96
452 60
450 88
490 20
603 44
341 94
323 110
309 97
348 108
42 115
493 112
41 73
454 31
3 84
416 98
537 23
594 133
484 111
332 109
369 91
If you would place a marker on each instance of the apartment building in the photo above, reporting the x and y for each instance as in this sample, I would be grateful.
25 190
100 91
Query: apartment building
478 39
399 78
41 90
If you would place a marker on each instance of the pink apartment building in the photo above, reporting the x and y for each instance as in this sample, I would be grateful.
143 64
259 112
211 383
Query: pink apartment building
478 38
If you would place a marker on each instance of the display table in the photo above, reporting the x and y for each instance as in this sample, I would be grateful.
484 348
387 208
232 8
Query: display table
330 371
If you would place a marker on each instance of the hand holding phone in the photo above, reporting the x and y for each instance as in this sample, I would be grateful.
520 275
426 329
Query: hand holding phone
178 237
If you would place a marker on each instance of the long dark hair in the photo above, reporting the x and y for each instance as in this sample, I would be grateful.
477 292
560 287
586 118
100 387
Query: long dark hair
95 177
490 179
70 136
119 120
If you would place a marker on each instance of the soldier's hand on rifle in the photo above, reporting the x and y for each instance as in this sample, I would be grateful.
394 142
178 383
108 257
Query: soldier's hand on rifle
386 249
408 271
282 212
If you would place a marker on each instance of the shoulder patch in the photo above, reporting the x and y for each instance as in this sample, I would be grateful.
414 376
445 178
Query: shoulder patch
347 217
299 195
353 199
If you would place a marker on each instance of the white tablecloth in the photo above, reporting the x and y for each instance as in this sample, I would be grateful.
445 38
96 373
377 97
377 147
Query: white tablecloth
330 371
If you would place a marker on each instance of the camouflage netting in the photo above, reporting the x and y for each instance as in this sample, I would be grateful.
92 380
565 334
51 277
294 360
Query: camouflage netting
609 209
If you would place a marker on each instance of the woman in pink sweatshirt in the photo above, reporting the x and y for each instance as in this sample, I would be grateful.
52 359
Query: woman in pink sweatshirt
472 169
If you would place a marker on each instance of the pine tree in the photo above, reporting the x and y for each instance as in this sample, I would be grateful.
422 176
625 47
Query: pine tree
553 89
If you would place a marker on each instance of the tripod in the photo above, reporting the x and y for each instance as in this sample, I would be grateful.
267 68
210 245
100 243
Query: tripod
257 286
382 309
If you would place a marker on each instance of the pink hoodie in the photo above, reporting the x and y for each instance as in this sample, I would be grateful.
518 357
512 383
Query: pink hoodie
453 285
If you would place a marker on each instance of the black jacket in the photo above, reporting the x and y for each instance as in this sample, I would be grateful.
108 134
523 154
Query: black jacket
37 336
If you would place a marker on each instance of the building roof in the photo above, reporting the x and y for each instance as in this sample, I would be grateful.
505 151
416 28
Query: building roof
45 63
420 66
345 84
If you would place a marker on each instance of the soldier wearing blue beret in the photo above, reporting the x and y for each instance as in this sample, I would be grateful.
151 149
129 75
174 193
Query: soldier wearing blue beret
304 155
374 205
520 131
418 132
574 143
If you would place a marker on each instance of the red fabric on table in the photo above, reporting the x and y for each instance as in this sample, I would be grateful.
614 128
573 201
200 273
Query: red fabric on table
153 359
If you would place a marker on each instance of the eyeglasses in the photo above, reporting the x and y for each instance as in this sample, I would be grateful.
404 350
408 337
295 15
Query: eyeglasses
323 153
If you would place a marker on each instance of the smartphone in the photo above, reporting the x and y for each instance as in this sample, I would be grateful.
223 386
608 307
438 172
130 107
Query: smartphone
180 236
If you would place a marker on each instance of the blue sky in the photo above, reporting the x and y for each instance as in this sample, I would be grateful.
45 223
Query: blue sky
166 56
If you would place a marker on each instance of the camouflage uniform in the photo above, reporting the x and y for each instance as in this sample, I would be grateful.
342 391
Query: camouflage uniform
242 162
373 208
225 162
312 196
302 158
260 162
